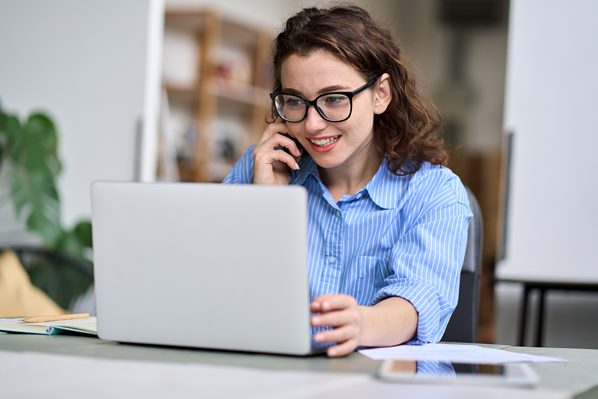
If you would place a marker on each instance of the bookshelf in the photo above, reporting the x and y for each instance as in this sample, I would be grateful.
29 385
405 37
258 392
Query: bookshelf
217 76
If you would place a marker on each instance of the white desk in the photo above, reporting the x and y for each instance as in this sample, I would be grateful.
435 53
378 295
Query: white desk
125 370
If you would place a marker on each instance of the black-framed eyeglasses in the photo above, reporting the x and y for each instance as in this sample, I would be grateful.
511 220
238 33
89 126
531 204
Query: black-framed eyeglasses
333 107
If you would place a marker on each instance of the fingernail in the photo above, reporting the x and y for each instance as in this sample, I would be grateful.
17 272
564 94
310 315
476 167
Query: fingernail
325 305
318 337
296 166
315 320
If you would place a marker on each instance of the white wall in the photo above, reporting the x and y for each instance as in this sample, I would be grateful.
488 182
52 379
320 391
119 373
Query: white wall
553 216
551 107
90 65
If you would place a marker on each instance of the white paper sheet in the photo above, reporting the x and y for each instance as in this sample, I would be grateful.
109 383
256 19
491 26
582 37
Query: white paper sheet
454 353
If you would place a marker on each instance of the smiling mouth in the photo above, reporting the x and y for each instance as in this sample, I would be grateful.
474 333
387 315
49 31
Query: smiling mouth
324 142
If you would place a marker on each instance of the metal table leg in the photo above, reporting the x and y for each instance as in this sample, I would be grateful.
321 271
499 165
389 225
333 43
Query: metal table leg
523 314
540 320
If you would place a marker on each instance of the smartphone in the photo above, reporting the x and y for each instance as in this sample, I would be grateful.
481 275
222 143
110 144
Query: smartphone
424 372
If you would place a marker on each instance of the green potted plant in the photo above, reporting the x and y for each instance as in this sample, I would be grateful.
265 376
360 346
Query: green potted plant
61 266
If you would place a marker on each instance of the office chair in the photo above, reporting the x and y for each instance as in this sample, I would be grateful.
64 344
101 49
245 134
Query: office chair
463 324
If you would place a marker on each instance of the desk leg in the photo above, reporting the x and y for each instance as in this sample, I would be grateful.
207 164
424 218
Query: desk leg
540 321
523 314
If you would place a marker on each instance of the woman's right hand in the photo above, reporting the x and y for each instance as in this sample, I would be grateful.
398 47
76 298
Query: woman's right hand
272 165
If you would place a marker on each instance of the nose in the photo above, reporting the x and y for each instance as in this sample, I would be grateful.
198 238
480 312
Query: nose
313 121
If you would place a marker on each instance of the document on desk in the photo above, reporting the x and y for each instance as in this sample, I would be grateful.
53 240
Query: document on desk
86 325
454 353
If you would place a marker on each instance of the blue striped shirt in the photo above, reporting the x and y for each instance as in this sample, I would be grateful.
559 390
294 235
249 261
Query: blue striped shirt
401 236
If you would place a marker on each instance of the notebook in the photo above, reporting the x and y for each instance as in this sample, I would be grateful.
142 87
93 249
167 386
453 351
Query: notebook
86 326
202 265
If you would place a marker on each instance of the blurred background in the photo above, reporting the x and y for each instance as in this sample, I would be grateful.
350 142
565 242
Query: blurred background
176 90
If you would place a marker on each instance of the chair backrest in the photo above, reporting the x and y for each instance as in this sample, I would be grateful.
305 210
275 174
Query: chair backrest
462 326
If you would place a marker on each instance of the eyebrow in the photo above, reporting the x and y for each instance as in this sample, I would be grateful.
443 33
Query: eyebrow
327 89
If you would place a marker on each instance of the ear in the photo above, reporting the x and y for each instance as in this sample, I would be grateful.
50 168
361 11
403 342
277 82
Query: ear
382 94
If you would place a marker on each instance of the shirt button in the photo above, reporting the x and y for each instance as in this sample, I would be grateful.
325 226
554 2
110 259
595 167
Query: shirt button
332 259
338 213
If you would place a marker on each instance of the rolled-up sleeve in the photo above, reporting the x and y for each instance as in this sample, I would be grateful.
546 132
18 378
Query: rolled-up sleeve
426 262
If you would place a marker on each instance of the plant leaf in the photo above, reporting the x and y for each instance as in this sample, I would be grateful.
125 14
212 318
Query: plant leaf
31 148
69 244
37 147
36 199
83 232
33 152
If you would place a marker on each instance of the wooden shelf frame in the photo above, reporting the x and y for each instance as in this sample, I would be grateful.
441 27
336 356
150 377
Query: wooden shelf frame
212 31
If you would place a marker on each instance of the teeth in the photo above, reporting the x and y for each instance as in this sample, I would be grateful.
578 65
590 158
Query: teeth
324 142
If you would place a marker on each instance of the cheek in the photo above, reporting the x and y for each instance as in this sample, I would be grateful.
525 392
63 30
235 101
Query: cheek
362 125
294 129
362 116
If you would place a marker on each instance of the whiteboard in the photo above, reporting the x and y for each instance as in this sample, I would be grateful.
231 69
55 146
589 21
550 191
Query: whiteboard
94 66
552 108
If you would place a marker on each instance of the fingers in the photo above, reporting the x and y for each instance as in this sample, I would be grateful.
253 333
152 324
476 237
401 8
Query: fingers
270 157
329 302
277 135
286 142
347 337
271 163
344 315
273 129
341 334
336 318
343 349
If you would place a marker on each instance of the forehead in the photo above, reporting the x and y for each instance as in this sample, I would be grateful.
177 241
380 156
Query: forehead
318 69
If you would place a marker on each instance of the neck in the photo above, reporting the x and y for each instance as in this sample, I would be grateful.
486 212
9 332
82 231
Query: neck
352 176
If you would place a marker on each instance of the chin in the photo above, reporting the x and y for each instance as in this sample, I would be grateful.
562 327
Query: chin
327 162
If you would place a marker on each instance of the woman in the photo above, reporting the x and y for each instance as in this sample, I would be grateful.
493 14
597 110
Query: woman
387 221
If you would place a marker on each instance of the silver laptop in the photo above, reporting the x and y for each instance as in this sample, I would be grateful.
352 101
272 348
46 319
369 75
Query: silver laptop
202 265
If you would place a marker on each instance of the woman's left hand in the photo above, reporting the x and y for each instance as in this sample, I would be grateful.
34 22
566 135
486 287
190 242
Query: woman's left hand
344 315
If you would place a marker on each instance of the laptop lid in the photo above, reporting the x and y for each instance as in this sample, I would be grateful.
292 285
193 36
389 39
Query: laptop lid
202 265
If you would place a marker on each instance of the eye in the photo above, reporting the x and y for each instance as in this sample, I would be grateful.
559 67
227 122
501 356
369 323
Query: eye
292 102
335 100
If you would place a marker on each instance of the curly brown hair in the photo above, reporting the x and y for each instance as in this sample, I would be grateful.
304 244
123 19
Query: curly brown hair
408 132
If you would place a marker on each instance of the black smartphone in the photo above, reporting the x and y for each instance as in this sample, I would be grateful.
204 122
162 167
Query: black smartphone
428 372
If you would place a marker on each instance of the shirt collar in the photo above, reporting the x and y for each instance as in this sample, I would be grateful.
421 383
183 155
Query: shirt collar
307 167
385 189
